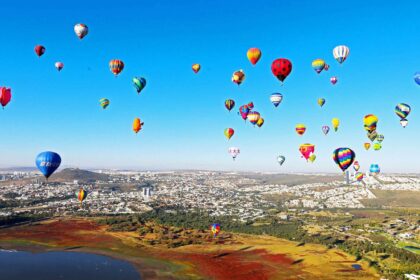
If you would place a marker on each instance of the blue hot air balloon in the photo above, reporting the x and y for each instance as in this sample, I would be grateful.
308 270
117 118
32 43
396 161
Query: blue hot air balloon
417 78
374 169
47 163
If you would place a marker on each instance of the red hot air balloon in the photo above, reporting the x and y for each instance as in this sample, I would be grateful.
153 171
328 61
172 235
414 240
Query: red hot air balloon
39 50
5 96
281 68
116 66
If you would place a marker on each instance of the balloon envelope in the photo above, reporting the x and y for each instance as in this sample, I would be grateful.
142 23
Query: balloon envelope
59 65
276 98
325 129
229 104
340 53
367 146
333 80
137 125
321 101
234 152
417 78
260 122
318 65
300 129
116 66
281 68
39 50
343 157
374 169
5 96
370 122
104 102
229 133
81 195
81 30
196 67
139 83
238 77
402 110
48 162
215 229
335 123
307 150
253 54
359 176
356 166
281 159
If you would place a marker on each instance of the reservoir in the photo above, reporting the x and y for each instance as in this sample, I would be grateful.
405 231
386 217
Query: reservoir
63 265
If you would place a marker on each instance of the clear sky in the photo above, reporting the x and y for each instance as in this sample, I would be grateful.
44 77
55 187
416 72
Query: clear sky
184 113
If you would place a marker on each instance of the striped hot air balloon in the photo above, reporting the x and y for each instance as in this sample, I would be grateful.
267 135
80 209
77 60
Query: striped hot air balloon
253 117
139 84
81 195
370 122
341 53
253 54
403 110
343 157
318 65
356 166
229 132
276 99
300 129
116 66
104 102
358 176
229 104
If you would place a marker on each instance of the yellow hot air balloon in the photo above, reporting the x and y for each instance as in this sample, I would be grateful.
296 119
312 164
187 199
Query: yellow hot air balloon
369 122
253 54
335 123
312 158
196 67
367 146
260 122
137 125
300 129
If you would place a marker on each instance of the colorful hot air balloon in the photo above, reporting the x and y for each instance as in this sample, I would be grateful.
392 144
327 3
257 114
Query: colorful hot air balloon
358 176
139 83
5 96
215 229
39 50
116 66
403 110
253 117
260 122
281 68
380 138
281 159
47 163
253 54
367 145
81 30
321 101
104 102
325 129
276 99
370 121
340 53
377 146
196 67
307 150
81 195
417 78
333 80
343 157
137 125
326 67
59 65
300 129
238 77
234 152
374 169
243 111
250 105
318 65
229 133
229 104
335 123
356 166
312 158
372 135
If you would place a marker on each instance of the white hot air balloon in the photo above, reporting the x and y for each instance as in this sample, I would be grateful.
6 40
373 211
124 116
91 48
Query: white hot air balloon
81 30
234 152
340 53
276 99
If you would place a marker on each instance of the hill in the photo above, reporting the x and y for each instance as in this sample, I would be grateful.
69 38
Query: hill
83 176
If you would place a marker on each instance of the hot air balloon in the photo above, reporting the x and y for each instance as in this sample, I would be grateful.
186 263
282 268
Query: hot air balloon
417 78
374 169
253 117
229 104
325 129
59 65
276 99
356 166
238 77
215 229
234 152
326 67
229 133
81 30
370 121
196 67
404 122
243 111
343 157
253 54
260 122
318 65
300 129
403 110
137 125
250 105
372 135
321 101
335 123
39 50
340 53
281 68
367 146
116 66
333 80
281 159
104 102
380 138
5 96
47 163
312 158
307 150
81 195
377 146
358 176
139 83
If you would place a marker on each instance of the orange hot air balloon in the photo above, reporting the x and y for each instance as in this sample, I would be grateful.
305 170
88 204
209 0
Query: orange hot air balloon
238 77
253 54
116 66
367 146
81 195
196 67
137 125
300 129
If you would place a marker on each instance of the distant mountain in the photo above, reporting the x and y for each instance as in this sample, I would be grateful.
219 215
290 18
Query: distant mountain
18 169
83 176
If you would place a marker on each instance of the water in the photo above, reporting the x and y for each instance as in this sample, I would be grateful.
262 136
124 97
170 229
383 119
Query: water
63 265
356 266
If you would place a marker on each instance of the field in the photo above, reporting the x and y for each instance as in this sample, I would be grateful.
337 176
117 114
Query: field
232 256
393 199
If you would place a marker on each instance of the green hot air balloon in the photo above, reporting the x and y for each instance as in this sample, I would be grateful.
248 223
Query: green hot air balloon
104 102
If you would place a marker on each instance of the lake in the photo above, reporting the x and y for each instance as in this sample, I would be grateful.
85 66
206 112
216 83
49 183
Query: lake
63 265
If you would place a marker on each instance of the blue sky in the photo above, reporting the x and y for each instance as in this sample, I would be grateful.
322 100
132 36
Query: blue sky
184 113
